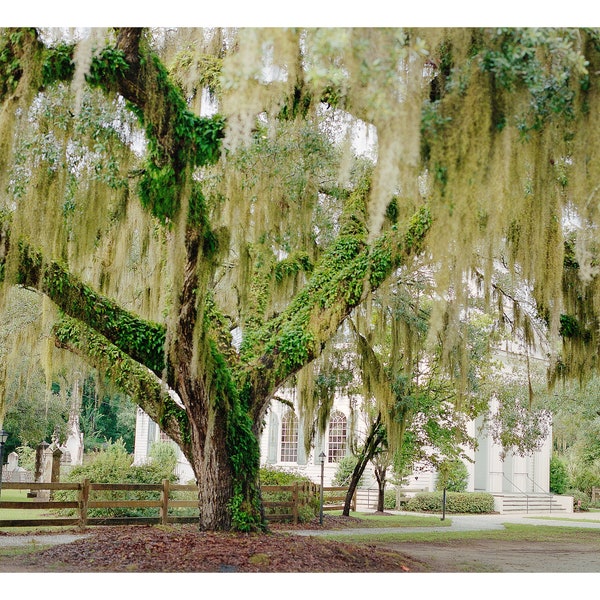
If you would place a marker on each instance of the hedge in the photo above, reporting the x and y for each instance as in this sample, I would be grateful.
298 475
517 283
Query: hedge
456 502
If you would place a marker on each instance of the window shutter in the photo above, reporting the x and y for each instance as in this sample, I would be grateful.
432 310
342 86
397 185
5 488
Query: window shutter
302 458
273 438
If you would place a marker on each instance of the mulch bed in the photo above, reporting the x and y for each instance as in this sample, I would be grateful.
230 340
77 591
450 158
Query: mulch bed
185 549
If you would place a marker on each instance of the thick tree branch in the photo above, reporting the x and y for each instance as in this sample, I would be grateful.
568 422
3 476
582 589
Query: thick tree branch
347 273
135 380
143 341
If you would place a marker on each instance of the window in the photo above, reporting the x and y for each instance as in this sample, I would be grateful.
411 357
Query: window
337 437
289 437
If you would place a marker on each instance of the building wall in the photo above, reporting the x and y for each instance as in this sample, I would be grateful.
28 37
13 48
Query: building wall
306 463
147 432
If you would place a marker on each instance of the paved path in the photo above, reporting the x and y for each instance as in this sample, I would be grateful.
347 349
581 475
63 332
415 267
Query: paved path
42 540
475 523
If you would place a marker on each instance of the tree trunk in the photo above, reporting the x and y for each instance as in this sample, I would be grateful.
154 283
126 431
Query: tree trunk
380 473
374 439
359 469
214 477
225 452
225 459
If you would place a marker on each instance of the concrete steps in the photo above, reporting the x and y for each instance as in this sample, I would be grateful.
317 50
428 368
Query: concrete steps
527 503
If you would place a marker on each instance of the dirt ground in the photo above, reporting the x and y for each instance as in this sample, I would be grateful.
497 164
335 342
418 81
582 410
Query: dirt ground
184 549
499 556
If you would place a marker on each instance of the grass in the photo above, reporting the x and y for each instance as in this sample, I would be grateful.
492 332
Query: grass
31 548
22 513
512 532
19 513
567 519
14 496
378 520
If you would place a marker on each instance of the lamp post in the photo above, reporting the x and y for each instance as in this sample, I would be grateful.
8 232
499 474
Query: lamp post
322 457
444 504
3 438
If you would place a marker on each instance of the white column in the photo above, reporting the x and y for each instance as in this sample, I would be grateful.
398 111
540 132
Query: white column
471 454
496 467
519 474
541 462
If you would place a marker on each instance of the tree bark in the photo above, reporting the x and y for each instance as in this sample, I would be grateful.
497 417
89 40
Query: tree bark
380 473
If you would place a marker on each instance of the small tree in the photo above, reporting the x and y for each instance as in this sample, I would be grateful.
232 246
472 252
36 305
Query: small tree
452 476
381 462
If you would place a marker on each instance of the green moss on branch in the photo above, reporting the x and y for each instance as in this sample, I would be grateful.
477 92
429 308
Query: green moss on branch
141 340
142 386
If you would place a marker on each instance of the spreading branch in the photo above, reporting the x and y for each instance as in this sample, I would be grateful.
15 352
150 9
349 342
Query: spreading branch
139 383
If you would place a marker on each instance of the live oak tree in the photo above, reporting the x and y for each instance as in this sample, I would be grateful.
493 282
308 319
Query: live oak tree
201 260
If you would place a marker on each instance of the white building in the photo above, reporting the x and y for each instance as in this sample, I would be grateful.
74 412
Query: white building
510 478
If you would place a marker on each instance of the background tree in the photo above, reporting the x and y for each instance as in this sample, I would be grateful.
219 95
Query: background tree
106 415
419 401
575 428
202 260
453 476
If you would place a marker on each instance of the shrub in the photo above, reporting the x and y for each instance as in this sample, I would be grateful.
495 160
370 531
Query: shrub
113 465
278 476
109 465
558 476
389 499
163 456
579 497
456 502
585 478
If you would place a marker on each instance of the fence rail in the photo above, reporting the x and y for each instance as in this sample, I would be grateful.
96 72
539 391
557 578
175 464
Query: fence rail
85 502
335 497
281 503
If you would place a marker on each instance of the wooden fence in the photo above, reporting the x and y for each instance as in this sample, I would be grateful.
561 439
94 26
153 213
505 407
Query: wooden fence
596 494
282 503
335 497
286 502
85 501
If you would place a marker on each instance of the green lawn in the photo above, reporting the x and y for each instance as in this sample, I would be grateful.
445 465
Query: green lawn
567 519
18 513
512 532
375 520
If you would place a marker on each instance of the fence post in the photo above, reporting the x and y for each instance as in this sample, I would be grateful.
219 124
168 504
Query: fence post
295 504
164 497
84 494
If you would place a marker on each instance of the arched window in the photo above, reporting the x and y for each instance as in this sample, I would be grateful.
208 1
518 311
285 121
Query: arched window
289 437
337 437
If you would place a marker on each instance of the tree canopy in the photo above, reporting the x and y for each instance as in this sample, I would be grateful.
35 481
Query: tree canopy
200 210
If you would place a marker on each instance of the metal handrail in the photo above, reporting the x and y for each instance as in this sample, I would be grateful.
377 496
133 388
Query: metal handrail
526 494
519 490
550 494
